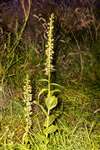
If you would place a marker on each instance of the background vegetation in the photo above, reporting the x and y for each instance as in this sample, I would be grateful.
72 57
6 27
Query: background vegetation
49 76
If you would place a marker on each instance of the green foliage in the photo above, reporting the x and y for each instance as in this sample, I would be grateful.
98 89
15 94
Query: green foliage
70 120
51 102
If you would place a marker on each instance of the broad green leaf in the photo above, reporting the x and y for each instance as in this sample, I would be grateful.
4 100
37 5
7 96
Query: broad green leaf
51 102
43 80
41 92
51 120
35 102
55 91
55 84
50 129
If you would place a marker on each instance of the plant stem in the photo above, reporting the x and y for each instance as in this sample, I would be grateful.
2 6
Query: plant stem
49 87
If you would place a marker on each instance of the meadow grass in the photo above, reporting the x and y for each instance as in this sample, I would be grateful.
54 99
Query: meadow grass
55 117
